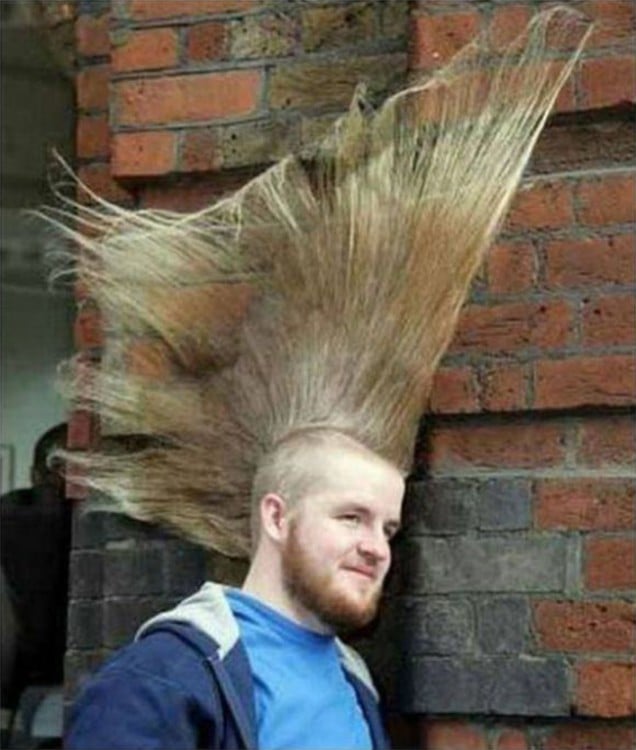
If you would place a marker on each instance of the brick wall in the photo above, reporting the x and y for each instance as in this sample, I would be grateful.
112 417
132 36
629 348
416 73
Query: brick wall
509 623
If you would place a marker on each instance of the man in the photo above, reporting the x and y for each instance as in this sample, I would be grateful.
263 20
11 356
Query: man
262 667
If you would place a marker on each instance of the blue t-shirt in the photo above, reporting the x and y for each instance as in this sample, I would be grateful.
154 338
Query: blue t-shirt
303 698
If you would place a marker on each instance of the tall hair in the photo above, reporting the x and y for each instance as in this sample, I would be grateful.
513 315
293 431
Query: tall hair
343 278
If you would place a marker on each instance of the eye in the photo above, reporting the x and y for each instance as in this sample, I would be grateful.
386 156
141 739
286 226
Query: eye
353 519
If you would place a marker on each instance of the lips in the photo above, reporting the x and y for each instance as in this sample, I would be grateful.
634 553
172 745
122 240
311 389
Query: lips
369 573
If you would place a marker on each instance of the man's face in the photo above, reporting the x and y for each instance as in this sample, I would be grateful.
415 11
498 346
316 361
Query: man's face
337 553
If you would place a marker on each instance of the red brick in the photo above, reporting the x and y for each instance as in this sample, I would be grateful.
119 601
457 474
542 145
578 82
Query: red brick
137 154
452 735
99 179
507 23
589 736
434 39
180 197
504 388
609 321
610 562
146 10
150 49
188 98
93 136
607 441
605 689
454 391
545 204
200 152
585 504
81 430
92 87
512 739
614 21
92 35
511 268
608 200
512 445
585 626
585 381
207 41
606 82
591 261
512 326
87 330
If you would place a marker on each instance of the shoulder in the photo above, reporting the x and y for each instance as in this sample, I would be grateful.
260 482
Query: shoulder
356 666
156 687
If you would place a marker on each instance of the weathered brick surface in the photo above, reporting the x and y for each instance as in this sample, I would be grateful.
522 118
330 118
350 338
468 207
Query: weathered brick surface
503 685
336 26
147 10
91 35
605 689
585 381
500 446
150 49
585 504
586 626
148 153
92 137
610 562
486 564
511 267
607 441
588 736
454 391
436 625
452 735
503 624
161 101
591 261
435 38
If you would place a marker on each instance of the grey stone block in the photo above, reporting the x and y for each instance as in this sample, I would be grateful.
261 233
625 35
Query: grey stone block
444 506
185 568
123 617
86 574
493 563
88 529
442 685
503 686
503 624
504 505
435 626
530 686
136 570
85 624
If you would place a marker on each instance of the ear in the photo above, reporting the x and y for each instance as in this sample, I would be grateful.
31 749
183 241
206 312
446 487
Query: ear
274 517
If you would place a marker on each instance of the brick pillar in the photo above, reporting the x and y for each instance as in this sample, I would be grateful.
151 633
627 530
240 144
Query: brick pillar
513 599
179 101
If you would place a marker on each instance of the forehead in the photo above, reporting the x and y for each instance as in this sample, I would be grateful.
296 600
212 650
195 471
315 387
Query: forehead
343 474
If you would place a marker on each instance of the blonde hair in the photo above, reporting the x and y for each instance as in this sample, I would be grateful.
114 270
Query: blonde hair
350 280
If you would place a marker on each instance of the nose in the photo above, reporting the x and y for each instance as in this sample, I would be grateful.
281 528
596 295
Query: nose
374 545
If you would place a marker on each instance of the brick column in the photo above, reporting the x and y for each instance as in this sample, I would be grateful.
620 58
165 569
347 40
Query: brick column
179 101
514 599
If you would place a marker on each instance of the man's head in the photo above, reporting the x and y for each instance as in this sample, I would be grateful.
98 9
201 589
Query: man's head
46 469
326 508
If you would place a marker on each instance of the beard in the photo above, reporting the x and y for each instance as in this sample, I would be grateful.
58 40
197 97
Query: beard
316 591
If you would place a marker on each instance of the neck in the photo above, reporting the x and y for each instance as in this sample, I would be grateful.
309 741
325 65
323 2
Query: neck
264 581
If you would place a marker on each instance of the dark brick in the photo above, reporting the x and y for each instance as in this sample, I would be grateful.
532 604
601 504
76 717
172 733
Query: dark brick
88 529
85 623
78 666
530 687
435 626
86 573
185 568
118 527
500 563
123 617
504 505
442 685
521 686
503 624
133 570
444 506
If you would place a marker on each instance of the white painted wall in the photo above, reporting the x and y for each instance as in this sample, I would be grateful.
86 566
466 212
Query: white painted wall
36 335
